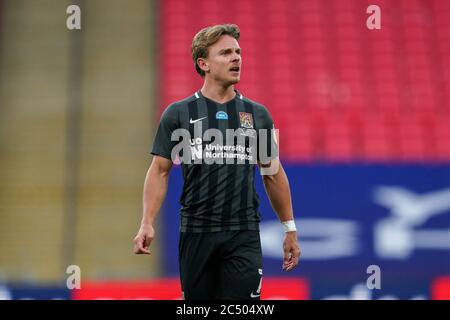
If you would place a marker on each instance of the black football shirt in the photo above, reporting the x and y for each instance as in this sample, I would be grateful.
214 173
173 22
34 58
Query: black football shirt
217 196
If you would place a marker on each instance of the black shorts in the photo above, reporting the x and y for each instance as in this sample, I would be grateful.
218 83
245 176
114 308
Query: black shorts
221 265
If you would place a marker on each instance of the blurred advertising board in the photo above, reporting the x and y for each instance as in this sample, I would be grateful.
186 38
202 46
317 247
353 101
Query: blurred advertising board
350 217
169 289
273 288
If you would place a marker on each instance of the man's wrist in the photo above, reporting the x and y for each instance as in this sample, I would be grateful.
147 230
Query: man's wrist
146 222
289 226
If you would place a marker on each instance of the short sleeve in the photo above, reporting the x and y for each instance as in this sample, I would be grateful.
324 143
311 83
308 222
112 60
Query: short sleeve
269 137
162 144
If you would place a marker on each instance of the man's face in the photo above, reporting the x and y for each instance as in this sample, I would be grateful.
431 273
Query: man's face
224 60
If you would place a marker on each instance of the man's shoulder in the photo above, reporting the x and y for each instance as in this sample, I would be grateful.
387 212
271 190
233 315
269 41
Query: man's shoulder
174 108
183 102
257 107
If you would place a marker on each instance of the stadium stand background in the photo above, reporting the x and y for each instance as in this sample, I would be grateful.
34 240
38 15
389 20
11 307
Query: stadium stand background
76 127
338 91
78 111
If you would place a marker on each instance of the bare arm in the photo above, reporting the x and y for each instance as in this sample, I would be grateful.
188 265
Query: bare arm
279 193
155 189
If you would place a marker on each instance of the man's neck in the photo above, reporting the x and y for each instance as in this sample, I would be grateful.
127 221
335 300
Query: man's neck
218 93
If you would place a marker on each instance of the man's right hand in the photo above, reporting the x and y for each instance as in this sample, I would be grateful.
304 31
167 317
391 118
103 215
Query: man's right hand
143 239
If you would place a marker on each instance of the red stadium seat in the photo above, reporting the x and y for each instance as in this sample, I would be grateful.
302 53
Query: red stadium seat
339 91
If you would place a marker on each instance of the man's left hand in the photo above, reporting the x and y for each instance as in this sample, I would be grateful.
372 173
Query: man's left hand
291 251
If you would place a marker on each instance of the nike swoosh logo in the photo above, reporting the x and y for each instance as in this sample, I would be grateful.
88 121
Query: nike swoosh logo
196 120
254 295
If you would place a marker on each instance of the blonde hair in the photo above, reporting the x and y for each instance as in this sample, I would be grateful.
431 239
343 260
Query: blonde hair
207 37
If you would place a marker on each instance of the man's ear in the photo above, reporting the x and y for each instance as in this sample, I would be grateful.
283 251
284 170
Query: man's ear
202 64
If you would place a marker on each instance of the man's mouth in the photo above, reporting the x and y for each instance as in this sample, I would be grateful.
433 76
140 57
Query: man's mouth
235 69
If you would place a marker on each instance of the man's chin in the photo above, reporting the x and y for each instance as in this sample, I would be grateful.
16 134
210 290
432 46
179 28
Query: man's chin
230 81
235 80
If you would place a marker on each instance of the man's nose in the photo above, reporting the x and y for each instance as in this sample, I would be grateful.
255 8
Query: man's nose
236 57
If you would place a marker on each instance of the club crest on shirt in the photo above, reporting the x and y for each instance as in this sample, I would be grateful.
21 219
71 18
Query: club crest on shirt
246 120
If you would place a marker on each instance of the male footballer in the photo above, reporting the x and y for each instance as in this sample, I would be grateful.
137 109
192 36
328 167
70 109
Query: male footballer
219 246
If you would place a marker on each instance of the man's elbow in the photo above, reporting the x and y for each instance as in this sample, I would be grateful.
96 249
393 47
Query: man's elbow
269 178
160 172
160 167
